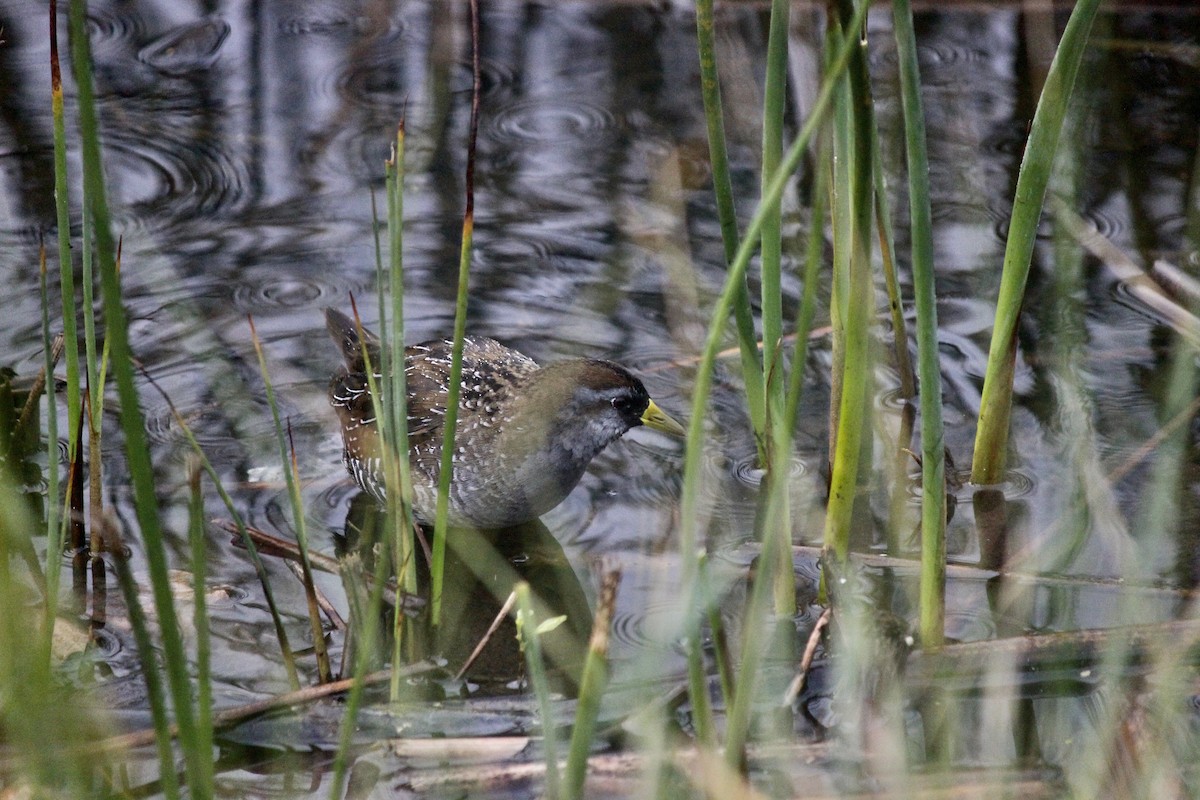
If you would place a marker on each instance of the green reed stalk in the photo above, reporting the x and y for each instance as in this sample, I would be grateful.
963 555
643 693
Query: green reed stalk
716 626
535 663
289 660
362 658
702 711
138 451
777 432
450 423
197 541
813 255
54 535
859 305
96 369
43 724
718 155
392 457
891 281
155 691
591 687
399 389
991 437
737 271
287 457
898 517
737 715
771 253
63 221
400 510
933 465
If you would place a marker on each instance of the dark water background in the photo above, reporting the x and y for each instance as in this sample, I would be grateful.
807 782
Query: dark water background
243 140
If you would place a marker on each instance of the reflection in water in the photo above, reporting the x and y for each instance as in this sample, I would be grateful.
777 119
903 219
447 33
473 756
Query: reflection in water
480 571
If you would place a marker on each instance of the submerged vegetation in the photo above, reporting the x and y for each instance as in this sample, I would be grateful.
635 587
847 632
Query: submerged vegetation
846 674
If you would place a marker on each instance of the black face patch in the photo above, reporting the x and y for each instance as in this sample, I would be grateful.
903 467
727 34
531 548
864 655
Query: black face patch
631 403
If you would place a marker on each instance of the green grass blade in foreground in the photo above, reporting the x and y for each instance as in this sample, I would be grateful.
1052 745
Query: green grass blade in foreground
399 388
260 571
933 466
535 663
737 271
54 536
63 221
714 117
771 252
777 433
450 422
151 675
44 725
287 459
852 407
813 255
991 437
702 713
400 512
591 687
749 674
365 645
197 542
132 423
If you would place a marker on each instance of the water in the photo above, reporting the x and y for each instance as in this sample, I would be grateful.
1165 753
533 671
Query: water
242 148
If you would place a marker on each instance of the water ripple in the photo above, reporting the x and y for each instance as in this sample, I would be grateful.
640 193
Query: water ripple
174 175
551 121
186 48
265 289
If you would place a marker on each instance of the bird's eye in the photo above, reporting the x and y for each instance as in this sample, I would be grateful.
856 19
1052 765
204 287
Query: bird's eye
622 404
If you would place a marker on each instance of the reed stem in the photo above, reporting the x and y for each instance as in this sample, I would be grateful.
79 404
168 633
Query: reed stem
933 466
718 155
535 663
450 423
689 511
991 437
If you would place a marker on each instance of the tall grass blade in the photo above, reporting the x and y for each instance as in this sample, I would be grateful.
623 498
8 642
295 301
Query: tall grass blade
746 681
535 665
991 437
852 406
450 423
771 252
689 503
287 458
591 687
718 156
933 466
132 423
63 220
260 571
702 713
400 511
155 690
777 433
365 646
54 536
813 254
42 721
204 714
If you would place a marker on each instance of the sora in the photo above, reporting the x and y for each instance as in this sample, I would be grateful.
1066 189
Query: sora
525 433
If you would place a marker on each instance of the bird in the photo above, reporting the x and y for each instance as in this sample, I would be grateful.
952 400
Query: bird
525 433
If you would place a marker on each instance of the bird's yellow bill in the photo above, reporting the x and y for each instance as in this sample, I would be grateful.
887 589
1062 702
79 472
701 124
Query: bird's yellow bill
654 417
